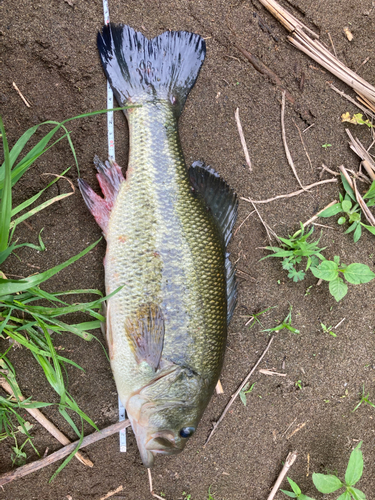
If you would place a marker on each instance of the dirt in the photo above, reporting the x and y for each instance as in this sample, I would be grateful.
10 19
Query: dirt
48 48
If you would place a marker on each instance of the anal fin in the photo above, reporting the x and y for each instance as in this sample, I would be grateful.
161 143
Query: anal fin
110 178
145 333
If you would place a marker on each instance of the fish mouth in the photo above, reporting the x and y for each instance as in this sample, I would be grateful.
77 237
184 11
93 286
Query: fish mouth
162 443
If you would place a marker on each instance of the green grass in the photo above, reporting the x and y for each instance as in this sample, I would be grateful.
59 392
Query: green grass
30 316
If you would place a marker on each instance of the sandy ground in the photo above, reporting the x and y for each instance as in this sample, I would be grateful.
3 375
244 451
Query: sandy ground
48 49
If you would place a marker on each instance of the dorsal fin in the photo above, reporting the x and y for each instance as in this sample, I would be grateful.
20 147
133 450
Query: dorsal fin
145 332
218 196
222 201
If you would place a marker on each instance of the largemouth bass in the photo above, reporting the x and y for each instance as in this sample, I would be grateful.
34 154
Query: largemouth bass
167 229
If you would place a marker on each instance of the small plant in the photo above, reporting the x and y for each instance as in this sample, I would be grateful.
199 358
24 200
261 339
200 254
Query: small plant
329 483
350 210
296 493
296 247
186 496
330 271
287 323
246 390
298 384
356 120
327 329
364 399
254 318
326 146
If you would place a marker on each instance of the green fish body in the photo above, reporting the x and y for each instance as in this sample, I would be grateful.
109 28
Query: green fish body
167 229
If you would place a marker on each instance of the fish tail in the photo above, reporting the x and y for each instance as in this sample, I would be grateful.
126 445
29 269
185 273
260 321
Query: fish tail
141 70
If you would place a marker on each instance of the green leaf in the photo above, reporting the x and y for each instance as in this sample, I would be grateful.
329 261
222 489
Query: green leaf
341 221
330 211
371 192
338 288
355 217
357 233
296 276
7 288
369 228
336 259
357 494
344 496
351 228
289 493
358 273
326 483
346 205
6 195
355 466
347 188
304 497
243 397
327 270
294 486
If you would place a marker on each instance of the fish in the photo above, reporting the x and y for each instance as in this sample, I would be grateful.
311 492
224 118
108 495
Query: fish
167 229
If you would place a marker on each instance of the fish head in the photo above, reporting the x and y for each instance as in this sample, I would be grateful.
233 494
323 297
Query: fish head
165 413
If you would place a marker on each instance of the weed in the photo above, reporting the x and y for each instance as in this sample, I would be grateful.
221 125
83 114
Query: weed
287 323
244 391
356 120
254 317
327 329
298 384
23 319
326 146
296 247
364 399
296 493
329 483
350 210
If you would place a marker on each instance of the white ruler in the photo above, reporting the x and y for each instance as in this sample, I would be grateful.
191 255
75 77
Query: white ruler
111 155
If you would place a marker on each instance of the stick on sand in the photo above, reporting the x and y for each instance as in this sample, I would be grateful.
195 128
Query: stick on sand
49 426
290 459
216 425
58 455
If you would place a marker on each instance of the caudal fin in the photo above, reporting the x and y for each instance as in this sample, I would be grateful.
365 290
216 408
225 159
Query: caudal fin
140 70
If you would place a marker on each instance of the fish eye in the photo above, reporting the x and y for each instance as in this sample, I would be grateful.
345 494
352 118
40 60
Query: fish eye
186 432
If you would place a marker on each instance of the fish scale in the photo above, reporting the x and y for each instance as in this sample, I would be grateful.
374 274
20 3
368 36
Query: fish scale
169 236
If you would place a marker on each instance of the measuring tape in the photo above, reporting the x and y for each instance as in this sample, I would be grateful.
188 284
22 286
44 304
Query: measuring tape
111 156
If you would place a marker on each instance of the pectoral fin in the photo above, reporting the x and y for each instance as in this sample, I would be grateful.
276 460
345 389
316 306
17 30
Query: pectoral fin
145 333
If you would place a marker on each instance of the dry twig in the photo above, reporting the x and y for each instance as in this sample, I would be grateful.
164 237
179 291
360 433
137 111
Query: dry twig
303 144
311 46
360 150
287 152
270 372
320 211
21 96
290 459
151 488
242 138
113 492
233 397
353 101
49 426
297 430
290 195
58 455
242 223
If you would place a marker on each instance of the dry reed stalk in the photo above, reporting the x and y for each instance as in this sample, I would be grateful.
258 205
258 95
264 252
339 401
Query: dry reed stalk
307 41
